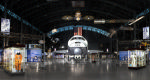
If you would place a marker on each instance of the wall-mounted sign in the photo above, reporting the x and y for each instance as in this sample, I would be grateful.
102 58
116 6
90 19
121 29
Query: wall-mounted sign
145 32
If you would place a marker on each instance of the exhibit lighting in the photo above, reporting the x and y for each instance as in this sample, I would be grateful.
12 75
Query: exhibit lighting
115 52
136 20
62 46
78 19
67 18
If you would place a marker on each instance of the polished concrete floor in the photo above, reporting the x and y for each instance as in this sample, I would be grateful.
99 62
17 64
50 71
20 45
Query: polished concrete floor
80 71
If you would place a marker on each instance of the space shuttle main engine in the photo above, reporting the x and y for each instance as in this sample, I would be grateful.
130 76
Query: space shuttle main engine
77 47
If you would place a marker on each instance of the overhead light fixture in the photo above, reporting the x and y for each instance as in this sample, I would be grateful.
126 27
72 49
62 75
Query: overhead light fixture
102 21
136 20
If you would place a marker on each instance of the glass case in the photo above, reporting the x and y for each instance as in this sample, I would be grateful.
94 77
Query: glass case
136 58
14 59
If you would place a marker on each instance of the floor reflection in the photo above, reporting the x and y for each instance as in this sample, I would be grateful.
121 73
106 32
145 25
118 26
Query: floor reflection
52 70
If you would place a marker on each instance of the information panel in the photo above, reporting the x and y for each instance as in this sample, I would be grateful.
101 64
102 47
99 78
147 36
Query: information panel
34 55
145 32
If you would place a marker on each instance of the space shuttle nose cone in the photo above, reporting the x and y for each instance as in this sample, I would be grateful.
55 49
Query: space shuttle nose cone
77 51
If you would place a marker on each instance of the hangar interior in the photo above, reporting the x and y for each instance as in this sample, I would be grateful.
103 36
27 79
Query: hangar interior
74 39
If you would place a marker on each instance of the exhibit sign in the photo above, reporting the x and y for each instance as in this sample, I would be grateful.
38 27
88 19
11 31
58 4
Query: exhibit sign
123 55
145 32
5 26
34 55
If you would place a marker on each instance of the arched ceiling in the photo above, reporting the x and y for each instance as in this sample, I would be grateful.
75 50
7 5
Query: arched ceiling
44 14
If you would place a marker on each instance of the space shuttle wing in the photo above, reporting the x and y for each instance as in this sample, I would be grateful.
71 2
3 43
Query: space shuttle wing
61 51
94 51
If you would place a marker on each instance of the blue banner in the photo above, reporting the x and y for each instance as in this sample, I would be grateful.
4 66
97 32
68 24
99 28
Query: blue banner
34 55
1 55
123 55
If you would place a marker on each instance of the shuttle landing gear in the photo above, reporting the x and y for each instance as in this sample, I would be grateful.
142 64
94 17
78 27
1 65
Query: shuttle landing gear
77 58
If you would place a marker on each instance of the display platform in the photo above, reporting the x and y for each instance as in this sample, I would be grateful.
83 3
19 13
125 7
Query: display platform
136 58
14 59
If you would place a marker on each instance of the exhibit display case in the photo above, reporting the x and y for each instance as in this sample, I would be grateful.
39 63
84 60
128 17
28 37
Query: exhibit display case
136 58
14 59
34 55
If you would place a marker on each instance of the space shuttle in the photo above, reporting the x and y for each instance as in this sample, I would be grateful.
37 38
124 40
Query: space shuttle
77 47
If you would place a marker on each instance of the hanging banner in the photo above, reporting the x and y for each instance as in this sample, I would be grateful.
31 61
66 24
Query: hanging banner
78 31
145 32
5 26
75 31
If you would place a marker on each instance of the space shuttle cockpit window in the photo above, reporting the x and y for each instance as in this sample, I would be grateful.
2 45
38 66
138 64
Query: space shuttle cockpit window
81 38
73 38
78 38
